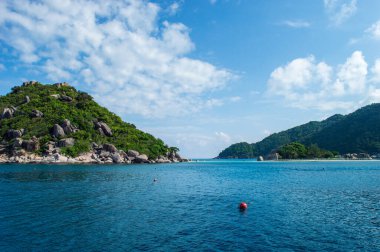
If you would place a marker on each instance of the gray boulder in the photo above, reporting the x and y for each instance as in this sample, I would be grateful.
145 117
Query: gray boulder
116 158
27 99
103 128
8 113
58 131
110 148
133 153
260 158
17 143
36 114
31 145
65 98
66 142
141 159
11 134
68 128
29 83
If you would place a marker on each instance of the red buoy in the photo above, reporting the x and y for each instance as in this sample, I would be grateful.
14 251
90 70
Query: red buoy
243 206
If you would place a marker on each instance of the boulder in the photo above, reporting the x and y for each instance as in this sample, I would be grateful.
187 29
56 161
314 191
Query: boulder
68 128
16 143
103 128
31 145
8 113
29 83
36 113
66 142
132 153
65 98
11 134
58 131
141 159
116 158
27 99
56 96
61 84
260 158
110 148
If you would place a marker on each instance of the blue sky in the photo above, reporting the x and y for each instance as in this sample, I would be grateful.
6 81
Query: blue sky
200 74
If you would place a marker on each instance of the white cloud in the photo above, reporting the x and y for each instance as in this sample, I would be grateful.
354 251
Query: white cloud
374 30
296 23
223 136
173 8
340 11
131 60
307 84
213 1
2 67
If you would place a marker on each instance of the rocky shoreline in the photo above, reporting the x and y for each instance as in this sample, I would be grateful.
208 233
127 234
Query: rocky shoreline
100 154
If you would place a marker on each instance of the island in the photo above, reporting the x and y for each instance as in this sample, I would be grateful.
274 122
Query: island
353 136
55 123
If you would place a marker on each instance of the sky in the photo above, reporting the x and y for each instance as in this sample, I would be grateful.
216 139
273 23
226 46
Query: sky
200 74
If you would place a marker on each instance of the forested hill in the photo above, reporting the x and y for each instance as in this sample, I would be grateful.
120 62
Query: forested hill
37 117
353 133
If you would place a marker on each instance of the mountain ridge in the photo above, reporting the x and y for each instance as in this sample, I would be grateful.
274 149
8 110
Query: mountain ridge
354 132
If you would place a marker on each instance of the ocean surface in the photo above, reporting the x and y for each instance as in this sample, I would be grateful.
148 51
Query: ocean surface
292 206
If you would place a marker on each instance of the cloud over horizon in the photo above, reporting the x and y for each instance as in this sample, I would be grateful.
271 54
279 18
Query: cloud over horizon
308 84
132 61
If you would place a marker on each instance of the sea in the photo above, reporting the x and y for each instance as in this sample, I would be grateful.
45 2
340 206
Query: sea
292 206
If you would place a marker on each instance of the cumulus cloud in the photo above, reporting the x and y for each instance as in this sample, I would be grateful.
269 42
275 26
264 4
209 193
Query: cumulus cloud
340 11
306 83
296 23
374 30
132 61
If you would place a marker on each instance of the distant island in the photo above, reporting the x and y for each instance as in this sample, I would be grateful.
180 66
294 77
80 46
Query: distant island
352 136
58 124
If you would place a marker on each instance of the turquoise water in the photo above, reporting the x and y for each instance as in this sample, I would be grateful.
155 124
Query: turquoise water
292 206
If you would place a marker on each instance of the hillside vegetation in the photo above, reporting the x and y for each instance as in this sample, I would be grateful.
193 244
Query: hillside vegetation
358 132
34 109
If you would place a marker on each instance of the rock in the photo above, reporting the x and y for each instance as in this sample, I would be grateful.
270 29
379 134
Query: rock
273 156
103 128
66 142
94 145
109 147
58 131
104 154
56 96
8 113
31 145
62 84
11 134
116 158
16 143
142 159
65 98
68 128
132 153
27 99
36 113
29 83
260 158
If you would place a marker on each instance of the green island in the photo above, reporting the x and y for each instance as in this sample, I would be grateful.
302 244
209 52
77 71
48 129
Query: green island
58 124
352 136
